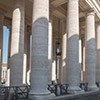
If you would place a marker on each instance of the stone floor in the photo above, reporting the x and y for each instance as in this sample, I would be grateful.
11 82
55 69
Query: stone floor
84 96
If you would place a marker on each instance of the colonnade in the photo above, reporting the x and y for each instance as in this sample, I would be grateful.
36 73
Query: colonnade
41 55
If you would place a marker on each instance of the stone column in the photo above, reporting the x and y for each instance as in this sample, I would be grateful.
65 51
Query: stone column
25 57
73 67
98 54
84 67
64 47
50 50
17 44
39 67
83 58
90 56
80 58
28 57
1 40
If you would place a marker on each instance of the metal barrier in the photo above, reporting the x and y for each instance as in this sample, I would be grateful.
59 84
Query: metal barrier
22 92
84 86
19 92
4 91
58 89
61 89
98 84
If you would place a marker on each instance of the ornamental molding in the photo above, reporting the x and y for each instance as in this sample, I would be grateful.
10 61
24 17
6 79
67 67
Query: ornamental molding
95 4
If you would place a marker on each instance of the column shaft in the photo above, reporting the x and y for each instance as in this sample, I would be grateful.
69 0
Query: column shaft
25 57
28 58
50 50
17 43
73 67
39 67
98 54
9 53
90 58
80 58
64 49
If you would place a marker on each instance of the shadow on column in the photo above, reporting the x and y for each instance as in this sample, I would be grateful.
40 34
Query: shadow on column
39 61
90 61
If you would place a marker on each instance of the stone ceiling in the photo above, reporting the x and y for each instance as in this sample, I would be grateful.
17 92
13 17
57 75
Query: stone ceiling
58 8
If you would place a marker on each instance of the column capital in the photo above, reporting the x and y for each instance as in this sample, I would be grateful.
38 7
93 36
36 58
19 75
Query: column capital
90 12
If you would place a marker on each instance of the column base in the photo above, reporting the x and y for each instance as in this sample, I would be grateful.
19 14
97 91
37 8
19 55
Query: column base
92 88
41 96
75 90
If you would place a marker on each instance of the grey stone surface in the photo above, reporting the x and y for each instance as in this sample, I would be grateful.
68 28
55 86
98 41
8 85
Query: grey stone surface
90 59
84 96
73 68
17 44
98 54
50 50
64 55
39 68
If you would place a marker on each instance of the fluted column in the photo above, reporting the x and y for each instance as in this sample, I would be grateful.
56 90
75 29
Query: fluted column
17 43
1 40
90 58
98 54
39 65
73 67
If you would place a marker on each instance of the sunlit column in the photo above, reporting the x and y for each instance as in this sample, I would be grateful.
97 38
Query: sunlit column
54 70
64 48
90 57
83 59
54 57
39 61
50 50
80 58
25 57
17 44
28 57
73 46
98 54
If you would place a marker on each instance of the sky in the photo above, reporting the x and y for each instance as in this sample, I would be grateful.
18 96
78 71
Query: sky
5 44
